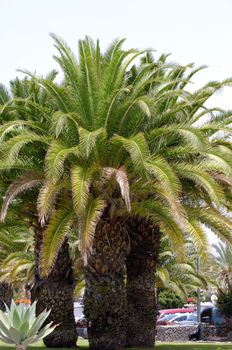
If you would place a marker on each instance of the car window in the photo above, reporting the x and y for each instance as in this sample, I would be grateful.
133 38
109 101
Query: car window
167 317
192 317
180 318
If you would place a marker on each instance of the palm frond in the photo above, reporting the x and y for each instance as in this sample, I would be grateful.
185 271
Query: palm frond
22 183
46 199
81 180
138 149
87 225
12 147
54 235
55 158
88 140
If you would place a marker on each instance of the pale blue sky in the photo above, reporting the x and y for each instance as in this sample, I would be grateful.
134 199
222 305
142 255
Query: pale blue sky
197 31
192 30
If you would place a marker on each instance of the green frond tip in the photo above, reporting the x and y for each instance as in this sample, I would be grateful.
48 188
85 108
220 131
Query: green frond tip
55 159
87 225
22 183
88 140
81 179
46 199
53 238
138 149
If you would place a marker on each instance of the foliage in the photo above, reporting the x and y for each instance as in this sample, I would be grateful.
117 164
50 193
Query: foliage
223 265
178 276
16 253
134 140
169 300
20 326
224 301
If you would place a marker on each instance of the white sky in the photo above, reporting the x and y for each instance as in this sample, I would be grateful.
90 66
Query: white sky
197 31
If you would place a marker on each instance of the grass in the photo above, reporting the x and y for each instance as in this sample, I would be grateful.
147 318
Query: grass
83 344
193 346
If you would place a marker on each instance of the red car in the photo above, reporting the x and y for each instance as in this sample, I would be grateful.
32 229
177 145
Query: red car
165 312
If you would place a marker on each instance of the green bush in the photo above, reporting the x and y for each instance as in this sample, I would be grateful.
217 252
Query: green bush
169 300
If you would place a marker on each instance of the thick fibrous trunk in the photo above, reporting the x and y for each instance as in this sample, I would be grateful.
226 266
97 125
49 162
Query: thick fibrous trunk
141 267
105 297
6 295
56 293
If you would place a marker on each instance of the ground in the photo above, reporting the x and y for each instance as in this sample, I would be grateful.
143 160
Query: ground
159 346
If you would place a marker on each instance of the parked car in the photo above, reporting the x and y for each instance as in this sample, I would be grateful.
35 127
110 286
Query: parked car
183 319
172 319
81 326
210 315
81 322
191 320
175 311
163 321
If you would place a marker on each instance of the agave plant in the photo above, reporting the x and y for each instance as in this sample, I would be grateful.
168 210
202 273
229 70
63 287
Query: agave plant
20 326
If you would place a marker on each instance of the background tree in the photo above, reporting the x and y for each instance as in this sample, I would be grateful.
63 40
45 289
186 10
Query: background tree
29 106
179 276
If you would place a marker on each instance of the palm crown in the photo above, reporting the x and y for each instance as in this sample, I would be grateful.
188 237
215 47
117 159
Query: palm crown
126 138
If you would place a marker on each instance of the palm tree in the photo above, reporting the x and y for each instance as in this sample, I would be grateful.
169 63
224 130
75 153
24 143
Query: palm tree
149 122
30 106
177 275
127 157
177 135
16 258
222 263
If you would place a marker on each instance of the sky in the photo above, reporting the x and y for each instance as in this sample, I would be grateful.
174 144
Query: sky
198 31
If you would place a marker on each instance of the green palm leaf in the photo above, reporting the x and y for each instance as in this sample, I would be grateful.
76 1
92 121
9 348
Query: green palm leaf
81 179
47 197
138 149
22 183
88 223
88 140
55 158
53 238
13 146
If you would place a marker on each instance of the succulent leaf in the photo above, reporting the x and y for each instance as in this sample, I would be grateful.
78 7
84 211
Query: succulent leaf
20 326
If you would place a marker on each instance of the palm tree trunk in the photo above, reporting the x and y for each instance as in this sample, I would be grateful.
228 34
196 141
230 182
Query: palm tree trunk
105 297
6 295
141 296
56 293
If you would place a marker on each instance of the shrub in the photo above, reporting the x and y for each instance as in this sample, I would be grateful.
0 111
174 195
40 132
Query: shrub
169 300
20 326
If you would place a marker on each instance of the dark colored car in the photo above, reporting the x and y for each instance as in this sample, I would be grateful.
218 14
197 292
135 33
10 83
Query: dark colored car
211 316
81 326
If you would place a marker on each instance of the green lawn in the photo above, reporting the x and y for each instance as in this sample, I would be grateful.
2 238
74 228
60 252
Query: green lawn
83 344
